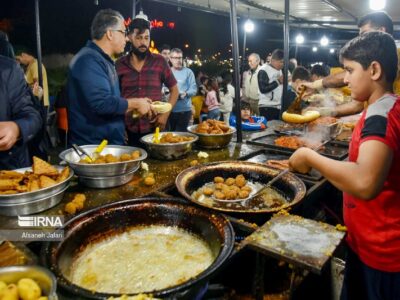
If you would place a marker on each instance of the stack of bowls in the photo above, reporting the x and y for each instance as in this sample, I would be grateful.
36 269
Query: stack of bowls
169 151
104 175
36 201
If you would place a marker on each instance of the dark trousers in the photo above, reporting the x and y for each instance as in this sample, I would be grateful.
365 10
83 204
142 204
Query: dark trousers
270 113
179 121
134 139
363 282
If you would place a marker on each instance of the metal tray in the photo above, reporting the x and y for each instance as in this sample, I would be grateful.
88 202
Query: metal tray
302 242
331 150
263 155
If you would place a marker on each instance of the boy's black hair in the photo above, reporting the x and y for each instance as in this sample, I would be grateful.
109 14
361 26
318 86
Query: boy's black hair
320 70
165 47
301 73
277 54
140 24
377 19
373 46
244 105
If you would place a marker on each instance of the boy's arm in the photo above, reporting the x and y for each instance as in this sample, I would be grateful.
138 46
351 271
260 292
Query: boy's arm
363 179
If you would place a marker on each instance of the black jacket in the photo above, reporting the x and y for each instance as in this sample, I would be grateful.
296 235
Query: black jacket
17 104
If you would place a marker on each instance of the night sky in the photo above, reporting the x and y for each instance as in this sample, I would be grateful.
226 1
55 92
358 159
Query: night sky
65 28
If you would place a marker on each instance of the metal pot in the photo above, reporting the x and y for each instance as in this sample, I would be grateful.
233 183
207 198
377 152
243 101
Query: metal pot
169 151
116 217
212 141
103 170
289 186
44 278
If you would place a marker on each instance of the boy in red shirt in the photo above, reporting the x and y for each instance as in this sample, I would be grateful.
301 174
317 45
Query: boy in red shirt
370 180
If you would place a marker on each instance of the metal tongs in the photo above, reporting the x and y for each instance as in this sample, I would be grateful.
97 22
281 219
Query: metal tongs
268 185
82 153
295 107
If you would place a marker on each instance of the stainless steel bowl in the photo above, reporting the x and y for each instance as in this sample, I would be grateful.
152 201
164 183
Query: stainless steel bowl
32 207
103 170
42 276
170 151
107 182
212 141
34 202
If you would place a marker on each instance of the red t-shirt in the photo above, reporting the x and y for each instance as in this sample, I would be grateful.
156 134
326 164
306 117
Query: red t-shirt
374 225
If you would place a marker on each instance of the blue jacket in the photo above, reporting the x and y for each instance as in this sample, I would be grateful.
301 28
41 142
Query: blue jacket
254 123
95 108
16 103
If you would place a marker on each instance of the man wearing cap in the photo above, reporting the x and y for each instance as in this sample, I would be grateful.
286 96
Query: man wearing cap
142 74
96 109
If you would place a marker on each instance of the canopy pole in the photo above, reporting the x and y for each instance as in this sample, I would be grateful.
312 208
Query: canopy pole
133 9
284 105
235 53
38 44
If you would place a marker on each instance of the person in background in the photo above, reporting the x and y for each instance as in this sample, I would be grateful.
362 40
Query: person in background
165 51
299 76
370 178
21 121
270 79
212 101
292 65
319 72
142 75
96 109
249 122
374 21
6 49
226 94
182 112
26 58
250 91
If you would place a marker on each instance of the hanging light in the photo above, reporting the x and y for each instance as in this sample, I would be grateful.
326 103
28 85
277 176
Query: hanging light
249 26
96 2
141 15
332 50
299 39
314 49
377 4
324 41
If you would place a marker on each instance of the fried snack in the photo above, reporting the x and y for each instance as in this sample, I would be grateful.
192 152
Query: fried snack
63 175
219 179
9 184
292 142
11 175
76 204
212 127
230 181
307 116
9 192
208 191
240 180
40 167
170 138
278 164
135 154
194 163
33 183
111 158
324 121
125 157
45 182
149 180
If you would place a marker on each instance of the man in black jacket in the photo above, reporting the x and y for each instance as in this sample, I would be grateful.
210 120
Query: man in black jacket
19 119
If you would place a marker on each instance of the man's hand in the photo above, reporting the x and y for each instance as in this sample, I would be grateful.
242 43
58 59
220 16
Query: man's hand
280 79
298 161
37 90
141 105
9 133
161 120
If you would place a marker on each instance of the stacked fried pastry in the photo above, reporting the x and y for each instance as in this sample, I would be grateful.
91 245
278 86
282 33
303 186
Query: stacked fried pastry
43 175
213 127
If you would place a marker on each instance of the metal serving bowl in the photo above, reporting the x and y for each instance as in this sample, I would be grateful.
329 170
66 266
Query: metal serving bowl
36 201
44 278
103 170
169 151
213 141
107 182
